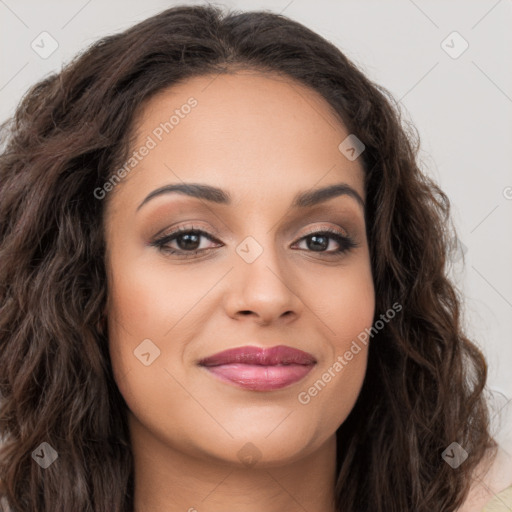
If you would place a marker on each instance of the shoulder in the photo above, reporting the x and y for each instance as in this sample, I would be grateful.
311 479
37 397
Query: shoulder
492 476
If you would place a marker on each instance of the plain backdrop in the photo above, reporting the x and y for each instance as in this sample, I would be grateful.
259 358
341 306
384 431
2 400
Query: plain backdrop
449 63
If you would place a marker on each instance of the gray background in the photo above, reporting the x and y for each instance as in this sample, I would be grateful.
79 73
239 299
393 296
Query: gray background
461 106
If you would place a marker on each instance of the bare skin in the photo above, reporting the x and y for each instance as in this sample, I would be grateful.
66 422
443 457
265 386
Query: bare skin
262 139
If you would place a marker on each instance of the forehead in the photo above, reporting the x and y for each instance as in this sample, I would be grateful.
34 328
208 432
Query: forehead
258 135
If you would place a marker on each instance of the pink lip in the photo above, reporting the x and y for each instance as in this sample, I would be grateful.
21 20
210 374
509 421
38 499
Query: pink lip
260 369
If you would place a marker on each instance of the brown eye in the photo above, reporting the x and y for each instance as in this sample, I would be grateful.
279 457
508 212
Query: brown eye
318 241
187 240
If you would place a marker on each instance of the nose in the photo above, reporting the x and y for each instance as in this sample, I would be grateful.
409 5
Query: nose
263 290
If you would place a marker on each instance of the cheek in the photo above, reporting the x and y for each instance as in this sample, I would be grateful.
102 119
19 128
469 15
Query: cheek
145 306
148 301
343 302
142 306
152 310
346 307
331 393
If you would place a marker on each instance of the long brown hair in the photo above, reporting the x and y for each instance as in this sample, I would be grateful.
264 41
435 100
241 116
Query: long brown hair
425 379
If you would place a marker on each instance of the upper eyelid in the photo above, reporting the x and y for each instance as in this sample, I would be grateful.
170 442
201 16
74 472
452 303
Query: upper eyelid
214 236
345 212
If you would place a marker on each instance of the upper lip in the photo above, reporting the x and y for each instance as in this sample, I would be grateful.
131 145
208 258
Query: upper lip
280 354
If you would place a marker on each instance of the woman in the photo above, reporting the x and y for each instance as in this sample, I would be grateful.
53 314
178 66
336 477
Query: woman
223 285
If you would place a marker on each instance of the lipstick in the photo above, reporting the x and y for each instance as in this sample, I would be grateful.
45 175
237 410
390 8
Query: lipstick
260 369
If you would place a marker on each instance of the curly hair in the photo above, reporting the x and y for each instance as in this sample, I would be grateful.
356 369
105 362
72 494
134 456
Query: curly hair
425 382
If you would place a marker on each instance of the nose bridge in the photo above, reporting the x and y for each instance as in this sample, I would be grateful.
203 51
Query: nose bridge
263 282
259 244
261 257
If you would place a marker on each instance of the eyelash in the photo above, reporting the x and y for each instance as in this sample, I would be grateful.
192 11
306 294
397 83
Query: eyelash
346 243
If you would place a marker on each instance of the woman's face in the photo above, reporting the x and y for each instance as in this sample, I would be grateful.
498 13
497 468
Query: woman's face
261 280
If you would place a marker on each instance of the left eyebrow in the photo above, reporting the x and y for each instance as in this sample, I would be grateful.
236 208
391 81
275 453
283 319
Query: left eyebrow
217 195
319 195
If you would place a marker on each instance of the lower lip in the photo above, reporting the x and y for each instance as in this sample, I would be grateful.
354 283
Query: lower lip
260 378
